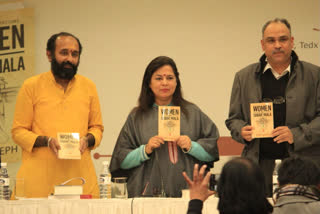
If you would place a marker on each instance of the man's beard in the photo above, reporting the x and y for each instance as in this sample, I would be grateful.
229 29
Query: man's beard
62 72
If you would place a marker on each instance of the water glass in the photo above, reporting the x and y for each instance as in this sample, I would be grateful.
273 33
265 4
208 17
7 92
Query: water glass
18 188
120 187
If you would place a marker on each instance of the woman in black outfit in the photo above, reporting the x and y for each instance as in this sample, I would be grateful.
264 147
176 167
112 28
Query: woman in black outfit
241 189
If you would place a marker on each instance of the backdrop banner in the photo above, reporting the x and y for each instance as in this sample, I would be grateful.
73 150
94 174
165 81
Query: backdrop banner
16 64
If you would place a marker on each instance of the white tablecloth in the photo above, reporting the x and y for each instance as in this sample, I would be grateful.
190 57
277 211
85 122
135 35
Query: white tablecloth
109 206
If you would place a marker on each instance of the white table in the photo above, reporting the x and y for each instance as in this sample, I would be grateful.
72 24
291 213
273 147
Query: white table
109 206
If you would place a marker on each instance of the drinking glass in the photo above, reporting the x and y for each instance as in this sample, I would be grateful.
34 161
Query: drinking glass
120 187
18 188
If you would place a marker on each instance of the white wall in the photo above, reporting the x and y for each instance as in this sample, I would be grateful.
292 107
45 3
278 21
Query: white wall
210 40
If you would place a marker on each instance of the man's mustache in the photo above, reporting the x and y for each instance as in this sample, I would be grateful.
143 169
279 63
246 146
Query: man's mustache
277 51
68 63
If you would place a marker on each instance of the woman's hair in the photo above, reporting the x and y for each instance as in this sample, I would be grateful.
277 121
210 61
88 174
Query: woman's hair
241 189
146 98
303 176
298 170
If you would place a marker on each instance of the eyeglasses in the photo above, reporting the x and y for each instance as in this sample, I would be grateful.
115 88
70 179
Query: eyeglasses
277 100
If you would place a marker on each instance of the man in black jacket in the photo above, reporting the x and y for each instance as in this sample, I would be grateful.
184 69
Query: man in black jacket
293 86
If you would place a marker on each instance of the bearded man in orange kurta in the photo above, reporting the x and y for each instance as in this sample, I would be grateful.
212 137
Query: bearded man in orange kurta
57 101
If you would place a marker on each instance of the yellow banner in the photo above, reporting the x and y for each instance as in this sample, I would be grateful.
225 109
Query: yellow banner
16 64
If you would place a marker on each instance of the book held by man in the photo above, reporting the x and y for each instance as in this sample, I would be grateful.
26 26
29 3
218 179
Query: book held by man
169 122
69 143
261 119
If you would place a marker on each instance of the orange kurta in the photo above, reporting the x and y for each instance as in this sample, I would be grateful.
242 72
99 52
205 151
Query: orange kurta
44 108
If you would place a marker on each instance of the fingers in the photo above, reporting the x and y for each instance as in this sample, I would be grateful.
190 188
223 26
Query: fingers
247 137
199 186
280 138
184 142
153 143
58 146
195 173
83 144
279 130
282 134
283 138
187 179
158 139
197 176
54 149
207 178
54 146
247 128
202 171
82 148
246 133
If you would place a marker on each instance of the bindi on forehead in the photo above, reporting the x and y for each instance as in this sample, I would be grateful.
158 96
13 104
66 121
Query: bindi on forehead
164 75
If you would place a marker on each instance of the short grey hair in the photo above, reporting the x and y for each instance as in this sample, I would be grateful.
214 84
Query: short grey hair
279 20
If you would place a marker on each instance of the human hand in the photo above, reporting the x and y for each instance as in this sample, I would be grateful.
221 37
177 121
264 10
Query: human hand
199 186
282 134
246 133
54 145
83 144
184 142
153 143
